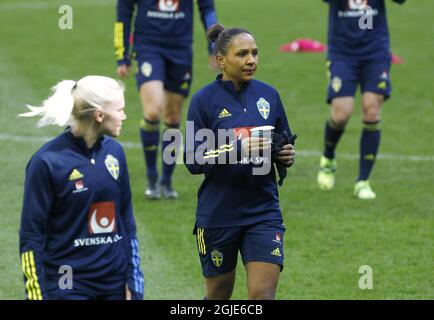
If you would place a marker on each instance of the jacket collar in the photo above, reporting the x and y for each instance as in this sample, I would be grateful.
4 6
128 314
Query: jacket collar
229 85
81 143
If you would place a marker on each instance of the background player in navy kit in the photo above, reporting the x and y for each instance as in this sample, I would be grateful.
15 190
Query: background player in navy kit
163 34
358 53
237 211
77 213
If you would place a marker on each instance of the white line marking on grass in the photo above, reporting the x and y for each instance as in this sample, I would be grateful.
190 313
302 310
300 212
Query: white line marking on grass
42 5
301 153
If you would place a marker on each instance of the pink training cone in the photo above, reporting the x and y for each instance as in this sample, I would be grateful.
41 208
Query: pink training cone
397 60
304 45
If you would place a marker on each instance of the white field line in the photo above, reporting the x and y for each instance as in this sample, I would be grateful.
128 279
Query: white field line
301 153
42 5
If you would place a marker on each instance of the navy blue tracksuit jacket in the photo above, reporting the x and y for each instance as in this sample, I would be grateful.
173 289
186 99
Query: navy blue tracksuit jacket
77 212
231 195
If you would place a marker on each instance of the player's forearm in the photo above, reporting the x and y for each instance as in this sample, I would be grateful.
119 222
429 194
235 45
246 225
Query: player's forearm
122 30
209 17
135 279
31 265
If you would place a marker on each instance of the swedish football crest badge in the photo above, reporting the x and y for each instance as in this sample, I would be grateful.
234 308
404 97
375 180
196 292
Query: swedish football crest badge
336 84
217 258
146 69
112 165
263 108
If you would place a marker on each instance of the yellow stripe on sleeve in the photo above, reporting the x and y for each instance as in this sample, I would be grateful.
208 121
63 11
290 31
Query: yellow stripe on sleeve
26 271
29 269
119 40
36 285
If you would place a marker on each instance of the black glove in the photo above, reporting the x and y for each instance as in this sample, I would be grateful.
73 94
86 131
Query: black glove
279 140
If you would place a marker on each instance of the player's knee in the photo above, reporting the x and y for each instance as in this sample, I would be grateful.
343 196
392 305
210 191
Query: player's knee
220 287
152 115
262 294
372 112
340 119
172 118
173 111
219 293
152 108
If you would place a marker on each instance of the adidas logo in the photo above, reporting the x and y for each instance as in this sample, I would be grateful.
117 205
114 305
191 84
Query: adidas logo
75 174
224 114
184 86
382 85
276 252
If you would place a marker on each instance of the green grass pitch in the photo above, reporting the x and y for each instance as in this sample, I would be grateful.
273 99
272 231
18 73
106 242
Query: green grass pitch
329 235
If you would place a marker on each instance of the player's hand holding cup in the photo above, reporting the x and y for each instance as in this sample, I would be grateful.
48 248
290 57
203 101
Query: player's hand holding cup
259 141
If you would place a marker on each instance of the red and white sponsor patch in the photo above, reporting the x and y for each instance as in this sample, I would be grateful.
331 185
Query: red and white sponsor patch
168 5
242 132
102 217
79 185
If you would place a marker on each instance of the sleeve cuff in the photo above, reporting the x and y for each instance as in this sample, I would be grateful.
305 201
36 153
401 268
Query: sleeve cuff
124 61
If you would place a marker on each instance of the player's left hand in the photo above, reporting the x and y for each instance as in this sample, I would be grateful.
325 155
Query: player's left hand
128 294
287 155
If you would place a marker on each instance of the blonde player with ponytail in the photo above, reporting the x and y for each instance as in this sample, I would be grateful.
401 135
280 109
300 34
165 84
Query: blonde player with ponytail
78 235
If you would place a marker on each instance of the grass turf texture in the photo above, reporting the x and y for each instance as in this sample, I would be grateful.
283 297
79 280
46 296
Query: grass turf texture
329 235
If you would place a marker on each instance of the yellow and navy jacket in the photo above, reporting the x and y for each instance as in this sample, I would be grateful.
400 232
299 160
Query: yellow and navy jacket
159 24
231 195
77 215
347 40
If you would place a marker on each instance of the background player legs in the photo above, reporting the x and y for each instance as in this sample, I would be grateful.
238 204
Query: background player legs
369 143
172 112
369 140
340 113
262 279
341 110
220 287
153 99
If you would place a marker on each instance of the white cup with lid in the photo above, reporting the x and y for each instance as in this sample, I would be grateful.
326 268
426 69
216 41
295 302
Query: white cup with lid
263 132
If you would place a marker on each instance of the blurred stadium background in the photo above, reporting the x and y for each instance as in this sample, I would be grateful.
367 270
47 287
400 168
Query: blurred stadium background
329 235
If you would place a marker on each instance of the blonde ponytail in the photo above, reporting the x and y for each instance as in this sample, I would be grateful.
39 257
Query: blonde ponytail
73 100
57 109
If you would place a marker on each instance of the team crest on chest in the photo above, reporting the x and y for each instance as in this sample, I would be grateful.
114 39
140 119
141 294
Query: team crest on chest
263 108
112 165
